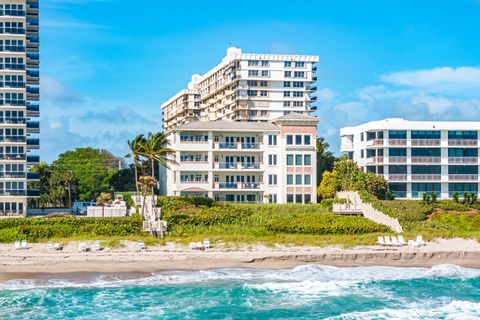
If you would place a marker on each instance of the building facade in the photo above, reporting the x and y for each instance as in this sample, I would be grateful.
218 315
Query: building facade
246 87
417 157
246 162
19 102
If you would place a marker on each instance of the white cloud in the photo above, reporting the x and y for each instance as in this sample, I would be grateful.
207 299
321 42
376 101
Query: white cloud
326 94
439 80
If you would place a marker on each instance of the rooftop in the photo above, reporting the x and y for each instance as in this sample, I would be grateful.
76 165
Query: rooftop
223 125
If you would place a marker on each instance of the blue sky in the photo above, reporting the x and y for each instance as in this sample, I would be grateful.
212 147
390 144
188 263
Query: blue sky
107 65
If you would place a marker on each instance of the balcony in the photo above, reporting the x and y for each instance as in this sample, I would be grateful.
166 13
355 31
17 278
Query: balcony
33 90
462 160
12 175
374 142
33 110
374 160
250 165
397 177
199 181
33 143
33 193
12 156
33 159
12 13
226 145
463 177
250 146
426 142
33 175
426 177
463 143
426 159
12 139
33 127
12 121
397 142
238 185
397 159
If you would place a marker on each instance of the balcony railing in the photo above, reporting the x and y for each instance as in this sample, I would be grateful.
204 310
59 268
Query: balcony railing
33 193
200 181
375 142
397 177
12 120
228 165
397 142
397 159
463 177
250 146
13 175
13 192
12 139
426 142
250 165
463 160
33 175
463 143
227 145
33 159
12 156
426 159
426 177
375 160
238 185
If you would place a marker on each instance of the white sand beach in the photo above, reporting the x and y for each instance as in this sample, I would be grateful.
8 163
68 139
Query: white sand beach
37 259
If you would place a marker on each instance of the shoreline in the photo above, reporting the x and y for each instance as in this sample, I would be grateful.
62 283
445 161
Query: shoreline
36 262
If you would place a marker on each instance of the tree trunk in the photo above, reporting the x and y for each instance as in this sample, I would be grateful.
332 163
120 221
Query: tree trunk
152 162
136 175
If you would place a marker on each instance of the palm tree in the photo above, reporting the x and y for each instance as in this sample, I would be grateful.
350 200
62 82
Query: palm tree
103 199
135 147
325 159
154 149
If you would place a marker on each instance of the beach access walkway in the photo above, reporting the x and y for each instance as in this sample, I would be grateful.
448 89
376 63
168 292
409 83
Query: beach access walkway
355 205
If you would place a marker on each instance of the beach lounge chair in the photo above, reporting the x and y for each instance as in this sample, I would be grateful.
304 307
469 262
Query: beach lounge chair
96 246
192 245
82 247
420 241
200 246
206 244
387 241
57 247
380 241
49 245
17 245
24 244
395 241
401 241
141 245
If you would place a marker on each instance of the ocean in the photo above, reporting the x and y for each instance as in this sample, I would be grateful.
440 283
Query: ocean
304 292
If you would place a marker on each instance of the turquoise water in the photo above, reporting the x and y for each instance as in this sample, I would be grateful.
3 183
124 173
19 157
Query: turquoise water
305 292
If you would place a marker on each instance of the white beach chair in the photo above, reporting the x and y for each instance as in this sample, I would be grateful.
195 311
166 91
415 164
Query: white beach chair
206 244
380 241
49 245
82 247
57 247
387 241
17 245
24 244
401 241
192 245
200 246
420 241
96 246
395 241
141 245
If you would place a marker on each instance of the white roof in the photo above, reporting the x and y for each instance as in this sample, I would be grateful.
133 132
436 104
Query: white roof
224 125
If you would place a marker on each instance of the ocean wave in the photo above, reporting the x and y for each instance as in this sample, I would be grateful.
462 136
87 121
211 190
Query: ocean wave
306 276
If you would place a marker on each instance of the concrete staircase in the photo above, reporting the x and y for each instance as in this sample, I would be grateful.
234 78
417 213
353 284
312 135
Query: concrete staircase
355 205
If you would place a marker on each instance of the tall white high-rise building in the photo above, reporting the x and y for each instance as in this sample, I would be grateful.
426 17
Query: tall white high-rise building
19 97
246 87
418 157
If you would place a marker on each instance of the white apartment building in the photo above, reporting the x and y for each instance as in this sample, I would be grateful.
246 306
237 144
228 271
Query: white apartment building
246 162
19 96
417 157
246 87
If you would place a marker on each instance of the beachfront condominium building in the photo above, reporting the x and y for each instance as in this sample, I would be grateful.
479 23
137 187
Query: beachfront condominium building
246 162
246 87
417 157
19 96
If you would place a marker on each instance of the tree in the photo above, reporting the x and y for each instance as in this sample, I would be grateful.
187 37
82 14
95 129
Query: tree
456 196
329 185
124 180
136 149
146 185
325 159
103 199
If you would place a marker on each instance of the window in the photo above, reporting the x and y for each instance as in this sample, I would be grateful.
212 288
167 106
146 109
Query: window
289 159
298 179
253 73
286 84
307 160
252 63
272 179
462 135
272 159
272 198
286 103
397 152
426 152
299 64
289 179
397 134
288 74
462 169
362 153
264 73
298 103
252 83
298 94
462 152
461 188
265 63
263 93
306 140
299 74
289 198
298 198
287 64
308 198
286 93
307 180
298 139
361 136
398 169
298 84
425 134
252 93
426 169
418 189
298 159
272 140
289 140
263 83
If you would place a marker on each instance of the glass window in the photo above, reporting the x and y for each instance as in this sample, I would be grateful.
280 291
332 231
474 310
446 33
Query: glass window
298 139
426 152
462 152
425 135
298 179
462 169
289 159
397 152
298 159
298 198
397 134
289 198
426 169
289 179
307 160
306 140
289 140
307 179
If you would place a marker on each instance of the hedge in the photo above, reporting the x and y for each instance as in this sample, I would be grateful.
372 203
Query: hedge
38 229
